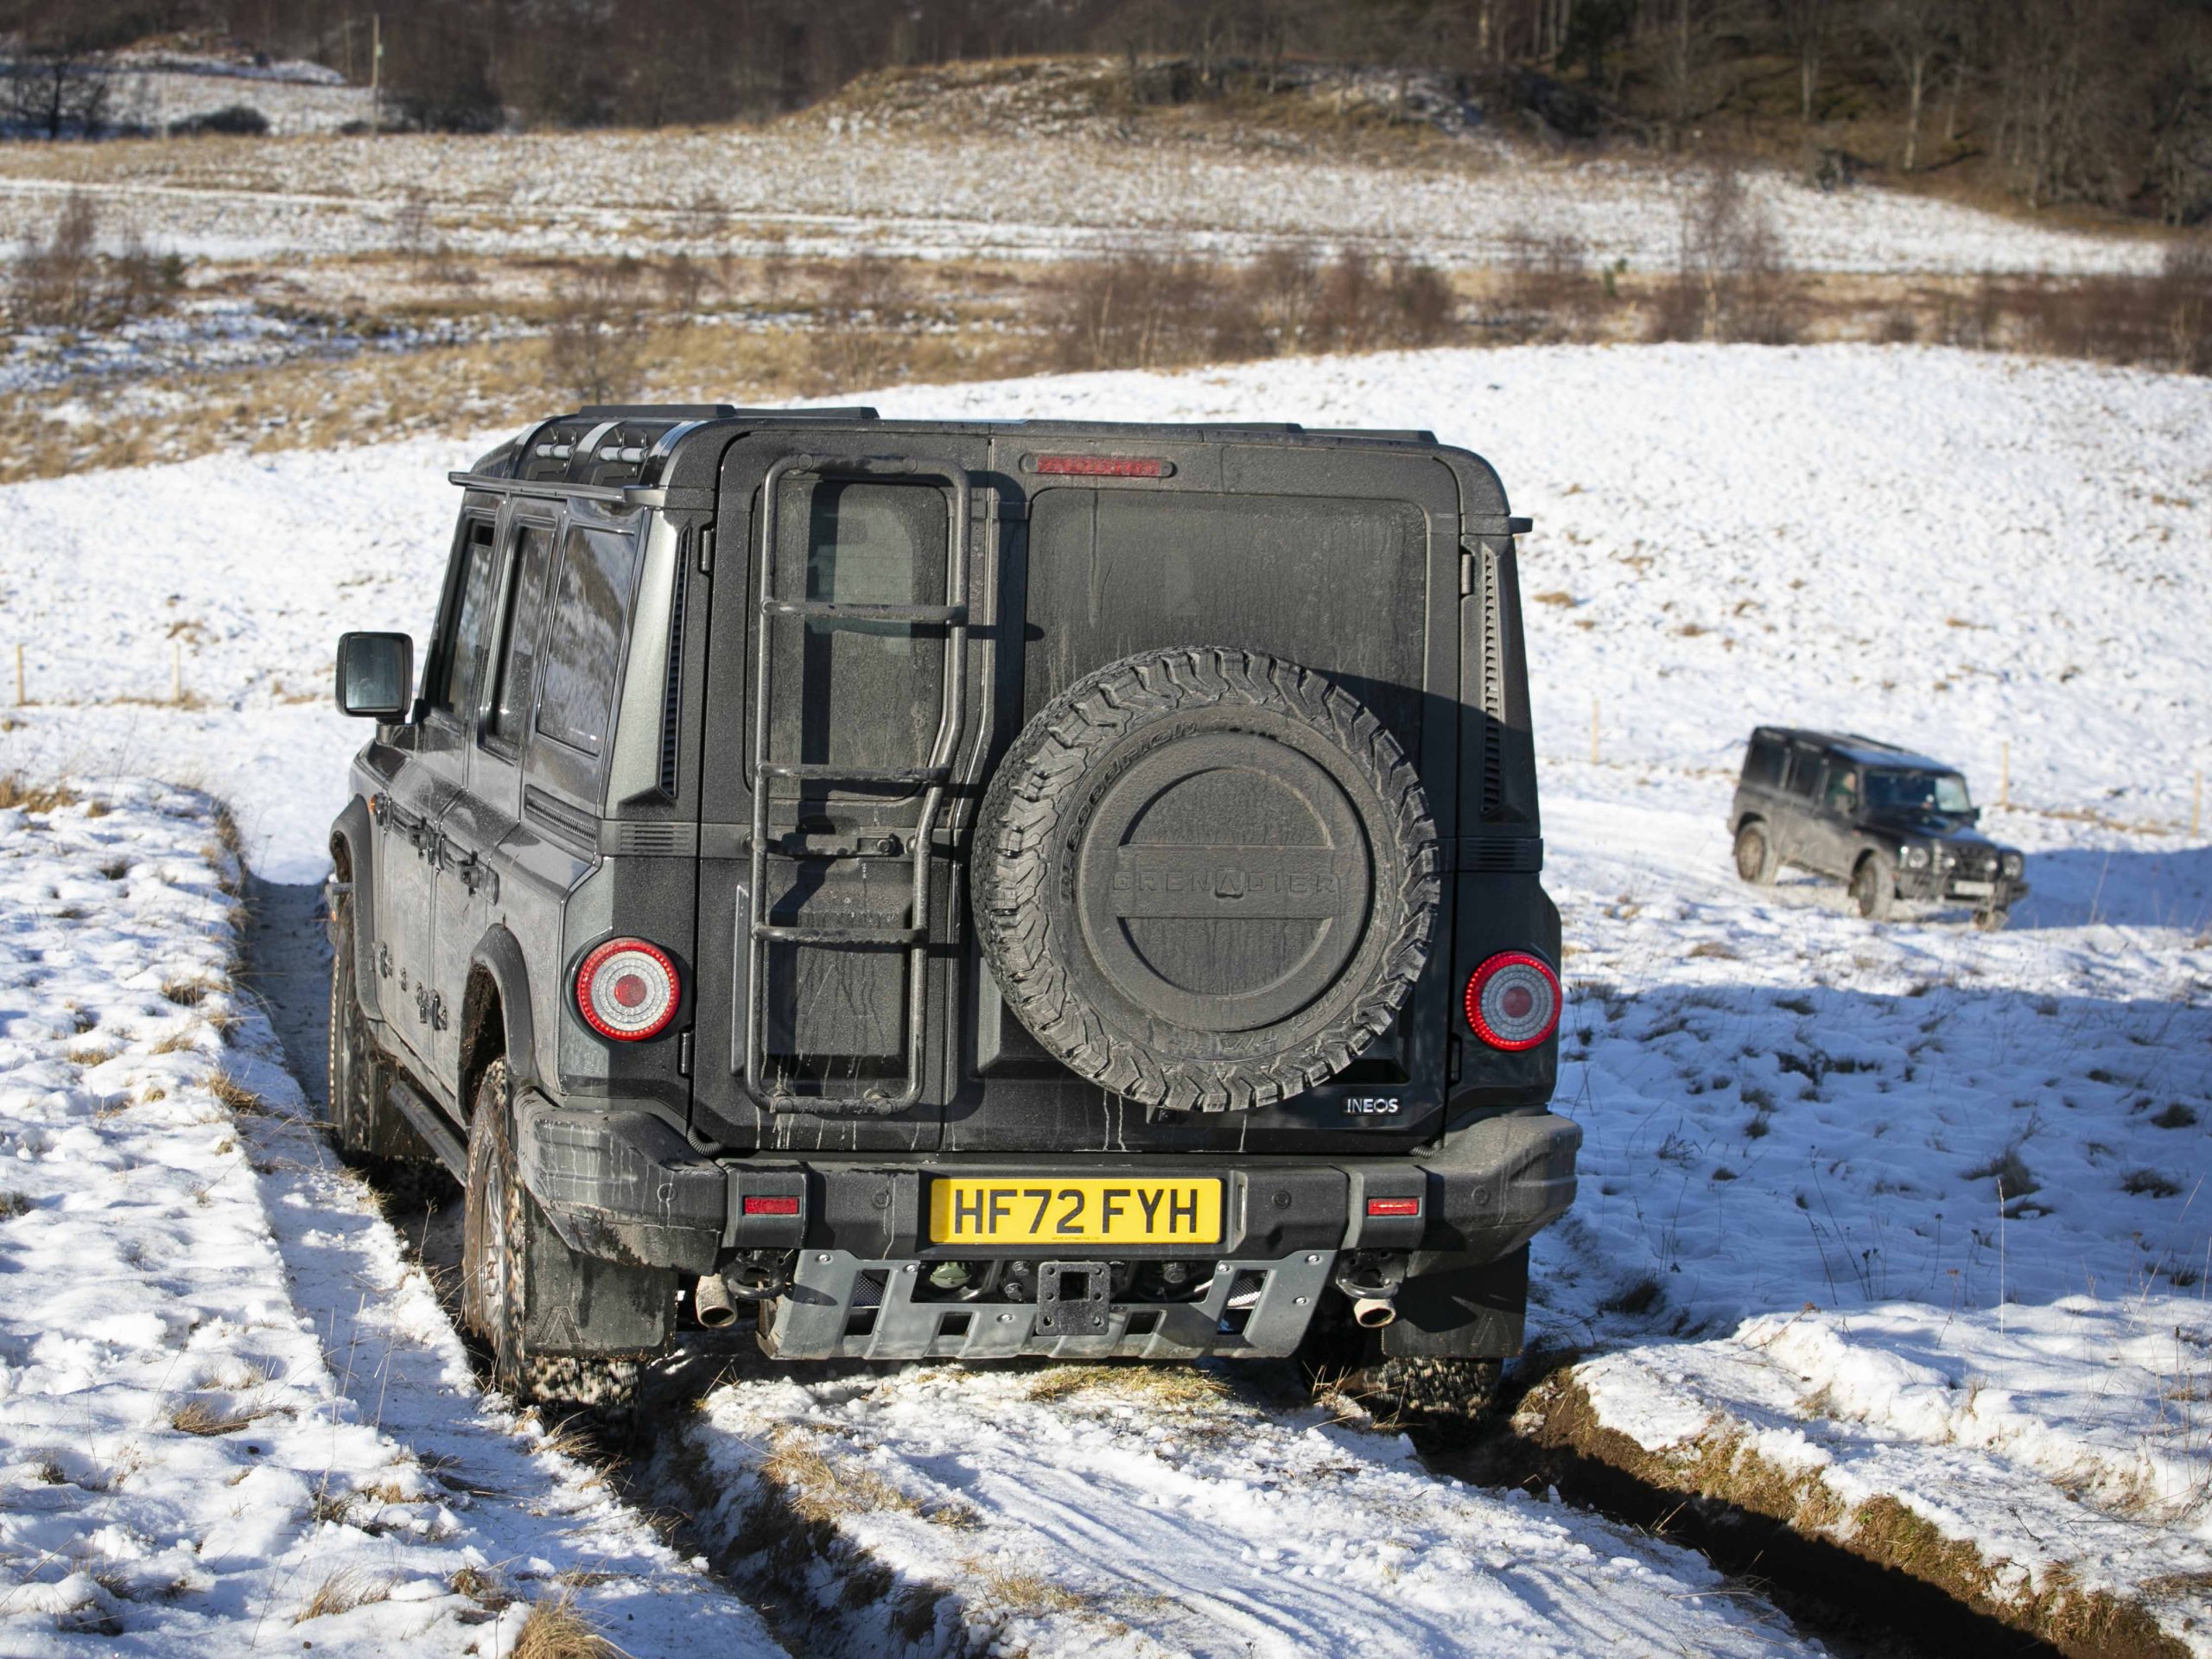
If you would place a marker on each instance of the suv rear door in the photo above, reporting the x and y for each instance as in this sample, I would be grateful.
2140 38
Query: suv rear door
1342 559
860 555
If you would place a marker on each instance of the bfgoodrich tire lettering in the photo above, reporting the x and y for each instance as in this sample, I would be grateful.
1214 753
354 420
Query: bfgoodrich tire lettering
1205 879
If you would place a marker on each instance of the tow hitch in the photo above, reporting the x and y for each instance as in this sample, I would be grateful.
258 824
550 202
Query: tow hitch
1072 1297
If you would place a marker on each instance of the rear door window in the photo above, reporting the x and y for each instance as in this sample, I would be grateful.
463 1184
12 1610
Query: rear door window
517 680
1805 767
1763 764
583 639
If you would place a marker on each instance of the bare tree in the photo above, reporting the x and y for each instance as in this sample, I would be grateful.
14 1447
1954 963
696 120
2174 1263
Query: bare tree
1807 25
56 94
1916 33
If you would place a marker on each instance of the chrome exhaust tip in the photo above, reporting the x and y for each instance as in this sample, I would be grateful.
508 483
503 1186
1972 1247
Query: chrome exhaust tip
1373 1313
710 1300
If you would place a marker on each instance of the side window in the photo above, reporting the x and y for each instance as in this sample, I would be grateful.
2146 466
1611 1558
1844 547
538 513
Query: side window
1804 773
1843 790
525 620
1763 764
583 638
461 652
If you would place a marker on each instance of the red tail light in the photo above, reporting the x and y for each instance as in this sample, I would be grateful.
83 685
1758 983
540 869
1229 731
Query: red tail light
1513 1001
627 989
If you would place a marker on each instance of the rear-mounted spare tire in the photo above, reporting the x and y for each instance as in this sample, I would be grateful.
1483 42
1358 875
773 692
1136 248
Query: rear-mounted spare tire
1205 879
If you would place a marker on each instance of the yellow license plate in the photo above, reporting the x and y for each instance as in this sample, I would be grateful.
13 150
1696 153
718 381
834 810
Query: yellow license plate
1107 1211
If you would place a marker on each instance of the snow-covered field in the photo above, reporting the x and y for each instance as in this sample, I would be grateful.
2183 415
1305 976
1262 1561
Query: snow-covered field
814 189
1791 1236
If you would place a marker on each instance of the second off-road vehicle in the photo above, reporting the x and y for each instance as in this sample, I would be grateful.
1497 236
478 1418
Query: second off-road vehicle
965 890
1890 823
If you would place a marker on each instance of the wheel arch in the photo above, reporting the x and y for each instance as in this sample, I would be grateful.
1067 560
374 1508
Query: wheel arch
352 838
495 1017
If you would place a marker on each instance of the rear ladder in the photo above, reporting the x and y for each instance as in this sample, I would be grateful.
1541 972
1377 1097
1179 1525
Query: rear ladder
774 1094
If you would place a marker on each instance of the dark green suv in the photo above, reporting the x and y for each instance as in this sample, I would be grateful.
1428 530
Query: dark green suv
1892 823
963 889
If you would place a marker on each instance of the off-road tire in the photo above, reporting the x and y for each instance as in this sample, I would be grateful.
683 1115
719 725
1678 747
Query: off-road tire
1874 885
1036 824
499 1223
1342 1360
1755 857
357 1076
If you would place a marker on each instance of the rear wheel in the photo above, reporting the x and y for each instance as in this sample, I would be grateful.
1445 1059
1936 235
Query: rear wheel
1755 858
1439 1394
1874 885
505 1235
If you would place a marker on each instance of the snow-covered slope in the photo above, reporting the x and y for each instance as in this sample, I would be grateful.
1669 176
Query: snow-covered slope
812 189
1951 550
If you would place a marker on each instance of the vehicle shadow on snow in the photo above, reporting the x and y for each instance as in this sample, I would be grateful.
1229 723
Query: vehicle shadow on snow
2121 887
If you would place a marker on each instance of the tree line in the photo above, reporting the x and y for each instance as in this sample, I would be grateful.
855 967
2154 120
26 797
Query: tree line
2107 102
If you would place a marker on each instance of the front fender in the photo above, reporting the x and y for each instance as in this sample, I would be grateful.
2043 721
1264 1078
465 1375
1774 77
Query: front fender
353 832
499 958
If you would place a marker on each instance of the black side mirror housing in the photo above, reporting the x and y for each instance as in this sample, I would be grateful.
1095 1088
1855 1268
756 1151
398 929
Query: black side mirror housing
376 675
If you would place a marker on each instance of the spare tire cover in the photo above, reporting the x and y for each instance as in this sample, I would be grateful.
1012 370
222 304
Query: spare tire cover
1205 879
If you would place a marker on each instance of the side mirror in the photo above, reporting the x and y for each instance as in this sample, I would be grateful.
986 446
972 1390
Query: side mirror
376 675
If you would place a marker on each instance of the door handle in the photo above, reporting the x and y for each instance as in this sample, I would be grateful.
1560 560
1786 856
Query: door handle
475 876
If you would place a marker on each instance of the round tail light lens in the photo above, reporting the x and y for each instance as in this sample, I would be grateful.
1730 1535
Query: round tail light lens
627 989
1513 1001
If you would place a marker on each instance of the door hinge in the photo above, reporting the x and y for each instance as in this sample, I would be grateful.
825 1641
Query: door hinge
421 999
438 1020
683 1052
384 961
1466 573
706 550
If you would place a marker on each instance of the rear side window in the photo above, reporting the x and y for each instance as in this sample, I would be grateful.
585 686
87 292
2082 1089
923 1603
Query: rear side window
472 624
1763 764
1804 772
518 675
583 638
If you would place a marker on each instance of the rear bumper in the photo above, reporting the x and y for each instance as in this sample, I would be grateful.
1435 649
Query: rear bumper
627 1185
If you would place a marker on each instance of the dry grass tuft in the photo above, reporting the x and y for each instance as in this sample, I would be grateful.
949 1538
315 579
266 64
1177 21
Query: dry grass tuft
2150 1184
1023 1593
14 791
188 993
202 1415
342 1592
12 1205
818 1491
235 1095
483 1586
1159 1385
177 1042
555 1630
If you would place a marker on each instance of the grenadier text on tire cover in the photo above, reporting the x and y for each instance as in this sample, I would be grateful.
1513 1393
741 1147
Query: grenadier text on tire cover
963 890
